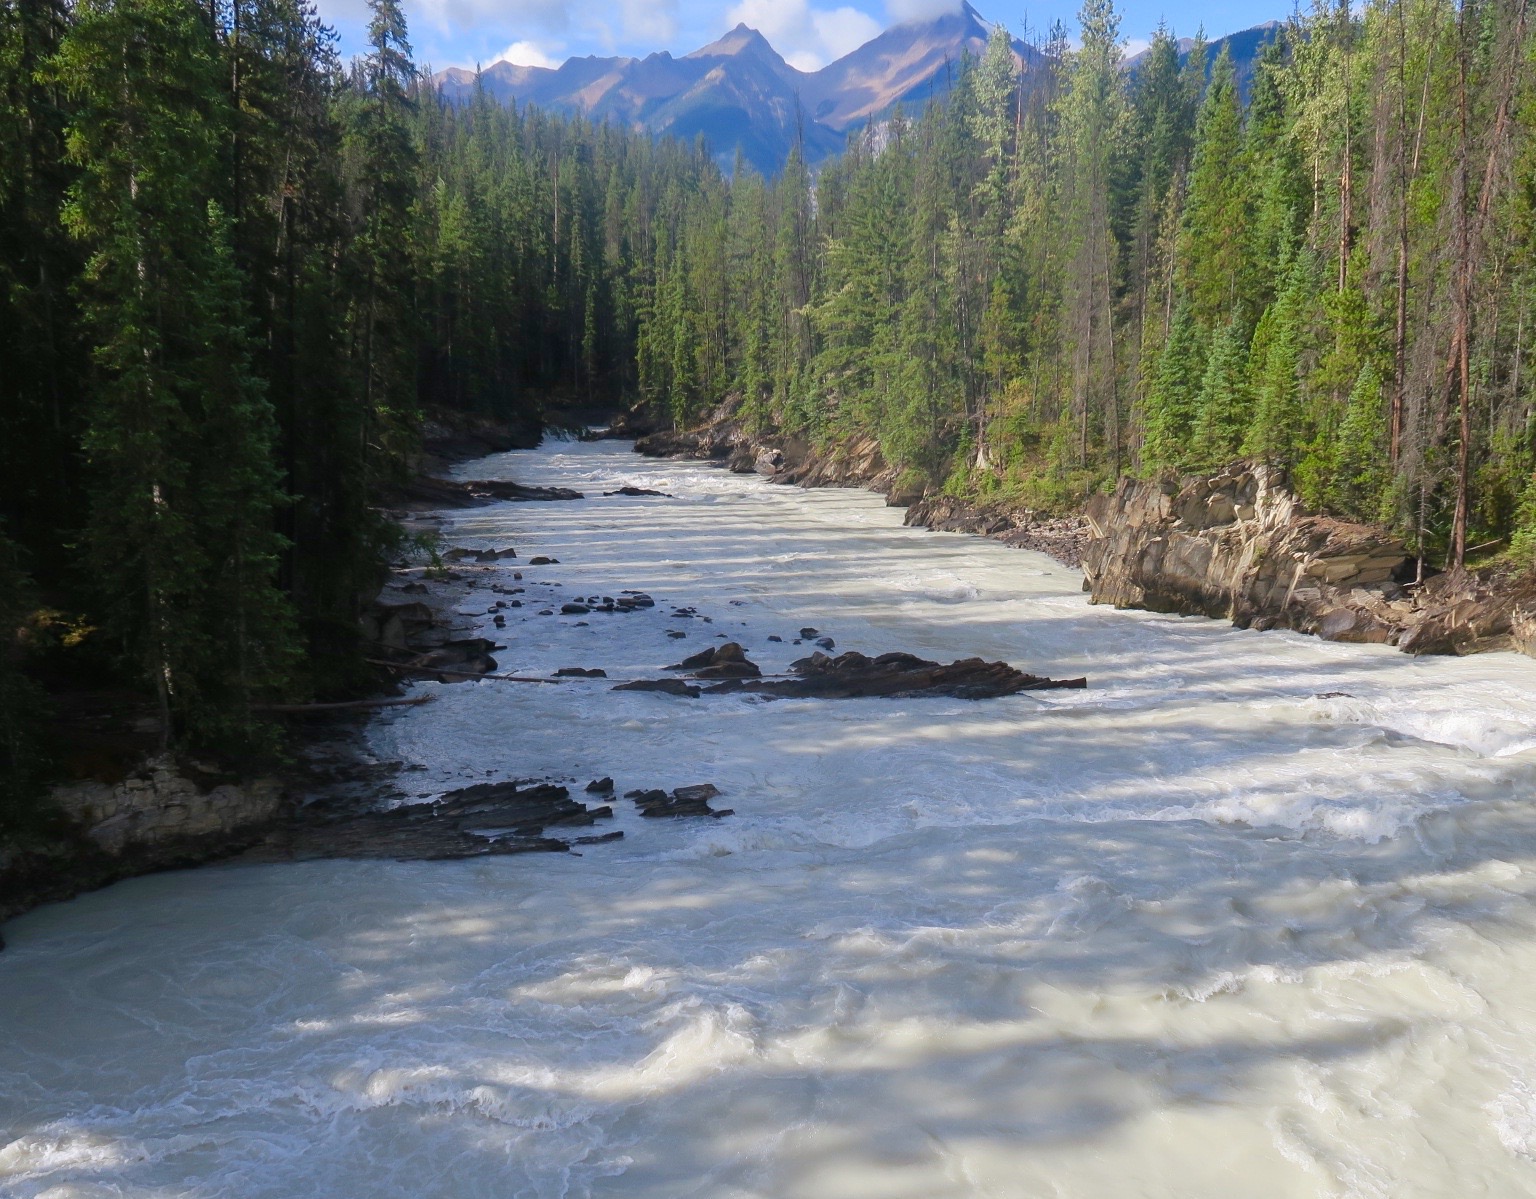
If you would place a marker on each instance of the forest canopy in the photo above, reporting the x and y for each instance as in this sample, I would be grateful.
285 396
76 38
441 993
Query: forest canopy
235 273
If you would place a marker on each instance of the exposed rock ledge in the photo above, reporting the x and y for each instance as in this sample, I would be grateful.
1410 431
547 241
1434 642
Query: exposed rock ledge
163 815
1239 545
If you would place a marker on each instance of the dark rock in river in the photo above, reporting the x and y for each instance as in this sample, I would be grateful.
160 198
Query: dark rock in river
470 655
602 786
490 818
665 686
542 561
581 672
575 609
684 801
896 676
499 490
627 490
728 661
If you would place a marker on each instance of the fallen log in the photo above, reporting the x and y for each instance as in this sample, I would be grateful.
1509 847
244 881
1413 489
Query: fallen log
434 671
342 706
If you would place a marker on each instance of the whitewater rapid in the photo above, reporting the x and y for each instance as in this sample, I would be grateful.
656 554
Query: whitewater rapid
1251 916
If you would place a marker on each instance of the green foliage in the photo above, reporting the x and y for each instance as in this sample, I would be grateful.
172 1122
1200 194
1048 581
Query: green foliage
23 708
1224 407
234 276
1173 403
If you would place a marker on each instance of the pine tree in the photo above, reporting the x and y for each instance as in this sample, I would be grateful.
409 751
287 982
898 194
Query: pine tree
1173 401
1217 274
1223 409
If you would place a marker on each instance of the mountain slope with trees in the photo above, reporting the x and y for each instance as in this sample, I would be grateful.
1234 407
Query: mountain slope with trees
233 277
1077 271
235 274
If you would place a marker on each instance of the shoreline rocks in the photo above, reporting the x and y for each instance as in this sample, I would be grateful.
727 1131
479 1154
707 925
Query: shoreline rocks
478 821
1238 545
1062 538
1235 545
164 815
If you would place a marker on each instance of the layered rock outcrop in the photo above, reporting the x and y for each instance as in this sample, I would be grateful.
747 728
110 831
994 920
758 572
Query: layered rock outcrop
1239 545
165 814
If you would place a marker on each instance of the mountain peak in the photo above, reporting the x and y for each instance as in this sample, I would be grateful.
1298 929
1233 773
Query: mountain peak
946 15
738 92
741 40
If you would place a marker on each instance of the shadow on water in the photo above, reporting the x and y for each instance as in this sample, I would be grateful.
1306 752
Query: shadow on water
768 1010
886 1003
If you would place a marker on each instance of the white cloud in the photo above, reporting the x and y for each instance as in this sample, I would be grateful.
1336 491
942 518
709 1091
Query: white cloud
807 37
843 30
902 11
451 17
527 54
649 20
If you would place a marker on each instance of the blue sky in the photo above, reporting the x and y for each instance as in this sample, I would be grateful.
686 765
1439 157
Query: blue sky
808 33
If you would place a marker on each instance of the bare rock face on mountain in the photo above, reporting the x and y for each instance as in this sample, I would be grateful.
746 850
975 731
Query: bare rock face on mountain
740 94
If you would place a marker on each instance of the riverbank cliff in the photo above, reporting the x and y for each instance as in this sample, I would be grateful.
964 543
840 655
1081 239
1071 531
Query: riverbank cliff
122 806
1235 545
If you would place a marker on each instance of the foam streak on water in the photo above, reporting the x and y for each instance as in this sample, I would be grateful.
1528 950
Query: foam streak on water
1251 916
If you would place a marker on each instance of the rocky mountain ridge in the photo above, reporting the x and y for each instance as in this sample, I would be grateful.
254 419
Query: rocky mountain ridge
740 94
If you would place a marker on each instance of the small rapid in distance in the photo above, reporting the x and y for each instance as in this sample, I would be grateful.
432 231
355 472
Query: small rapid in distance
1253 915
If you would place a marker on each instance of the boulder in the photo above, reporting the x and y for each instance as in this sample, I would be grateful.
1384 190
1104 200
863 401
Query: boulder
728 661
683 801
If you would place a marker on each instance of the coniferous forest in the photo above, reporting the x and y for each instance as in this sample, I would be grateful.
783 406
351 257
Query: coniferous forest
235 273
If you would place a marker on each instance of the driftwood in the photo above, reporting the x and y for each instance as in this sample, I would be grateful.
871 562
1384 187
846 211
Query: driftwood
342 706
458 674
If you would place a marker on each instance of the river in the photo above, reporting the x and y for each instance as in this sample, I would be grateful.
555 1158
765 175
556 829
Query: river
1252 915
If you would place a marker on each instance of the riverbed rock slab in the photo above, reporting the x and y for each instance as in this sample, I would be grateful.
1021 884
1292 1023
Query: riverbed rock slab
853 675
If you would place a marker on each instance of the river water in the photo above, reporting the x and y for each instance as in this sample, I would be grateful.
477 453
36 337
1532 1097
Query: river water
1253 915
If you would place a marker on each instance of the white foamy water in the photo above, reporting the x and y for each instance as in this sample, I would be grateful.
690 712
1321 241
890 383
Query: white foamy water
1252 916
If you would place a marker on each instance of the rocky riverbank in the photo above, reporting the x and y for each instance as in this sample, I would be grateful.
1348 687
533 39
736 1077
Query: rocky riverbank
1235 545
128 809
857 462
1239 545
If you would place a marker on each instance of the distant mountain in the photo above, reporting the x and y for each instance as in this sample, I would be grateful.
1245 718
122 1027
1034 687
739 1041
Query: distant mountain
742 96
907 64
1245 47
